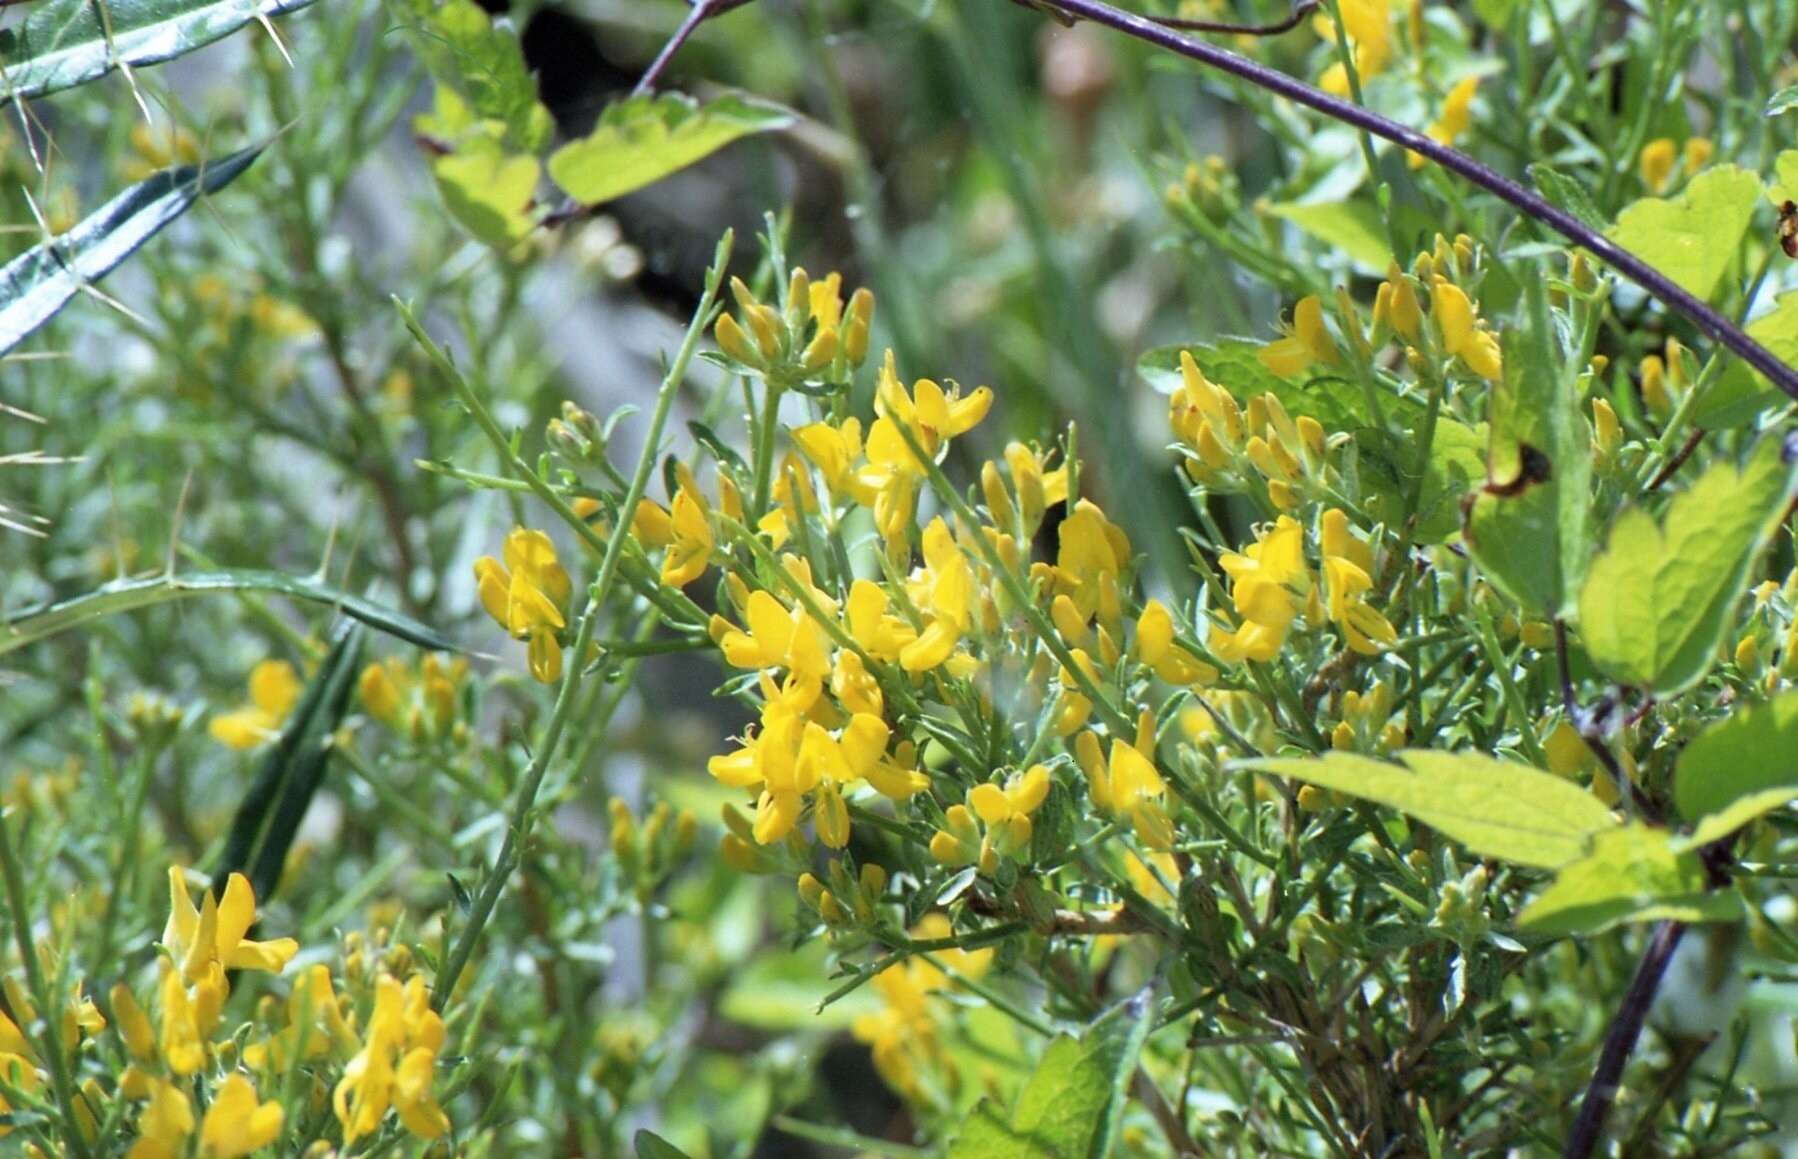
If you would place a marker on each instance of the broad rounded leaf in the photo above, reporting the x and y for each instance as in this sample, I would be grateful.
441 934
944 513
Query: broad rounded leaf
1072 1104
1692 238
484 66
643 139
1659 597
1751 750
1632 874
1497 809
487 191
1529 527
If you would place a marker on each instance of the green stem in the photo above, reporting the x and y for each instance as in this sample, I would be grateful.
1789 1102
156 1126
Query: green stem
50 1049
599 593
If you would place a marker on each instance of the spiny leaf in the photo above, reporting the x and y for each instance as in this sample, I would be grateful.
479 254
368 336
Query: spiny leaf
291 771
33 624
1747 752
40 281
1528 529
1072 1105
64 43
1659 597
643 139
1694 237
1497 809
1633 873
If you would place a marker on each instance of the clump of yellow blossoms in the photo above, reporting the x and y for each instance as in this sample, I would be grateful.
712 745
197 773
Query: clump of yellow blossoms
528 595
419 702
905 1035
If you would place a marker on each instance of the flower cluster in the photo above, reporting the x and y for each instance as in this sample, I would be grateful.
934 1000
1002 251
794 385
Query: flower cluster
528 594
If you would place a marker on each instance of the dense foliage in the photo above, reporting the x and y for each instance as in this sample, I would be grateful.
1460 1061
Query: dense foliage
497 658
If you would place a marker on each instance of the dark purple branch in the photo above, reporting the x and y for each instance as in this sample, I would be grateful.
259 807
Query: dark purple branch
699 13
1620 1041
1531 204
1300 10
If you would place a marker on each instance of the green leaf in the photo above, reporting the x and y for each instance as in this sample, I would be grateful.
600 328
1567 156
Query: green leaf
1497 809
1385 463
291 770
1747 752
488 191
1739 395
64 43
29 625
482 65
643 139
1782 101
1660 596
1354 227
652 1146
1738 813
1231 363
1528 527
1785 178
1694 237
781 992
1072 1105
1633 874
1567 193
40 281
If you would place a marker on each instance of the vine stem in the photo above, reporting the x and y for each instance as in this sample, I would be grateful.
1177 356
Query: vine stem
1711 321
1620 1041
526 799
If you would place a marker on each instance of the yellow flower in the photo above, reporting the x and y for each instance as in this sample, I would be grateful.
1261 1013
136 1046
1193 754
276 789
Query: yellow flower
1156 648
198 939
418 704
316 1027
1462 337
1007 810
793 498
395 1066
165 1124
932 417
944 591
1263 582
1308 343
834 451
1396 305
1655 163
1369 26
1347 570
1089 563
1127 784
274 690
528 595
1457 115
236 1123
690 527
776 638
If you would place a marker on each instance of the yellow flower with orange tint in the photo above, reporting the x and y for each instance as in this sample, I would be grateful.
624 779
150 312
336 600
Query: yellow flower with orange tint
1458 324
1348 574
943 590
1369 27
274 690
1266 579
1457 116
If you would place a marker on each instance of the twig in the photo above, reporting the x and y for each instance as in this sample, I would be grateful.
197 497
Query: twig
1620 1040
699 13
1677 461
1706 318
1300 10
1178 1137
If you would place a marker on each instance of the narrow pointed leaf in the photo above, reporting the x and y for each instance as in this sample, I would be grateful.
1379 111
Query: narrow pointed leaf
64 43
40 281
1497 809
1659 597
291 770
30 625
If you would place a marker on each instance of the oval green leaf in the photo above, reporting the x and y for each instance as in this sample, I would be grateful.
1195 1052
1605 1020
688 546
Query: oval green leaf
643 139
1694 237
1658 598
1633 874
1746 753
1497 809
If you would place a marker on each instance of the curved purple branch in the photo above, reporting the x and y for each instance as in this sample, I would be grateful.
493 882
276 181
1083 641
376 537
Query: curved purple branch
1711 321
